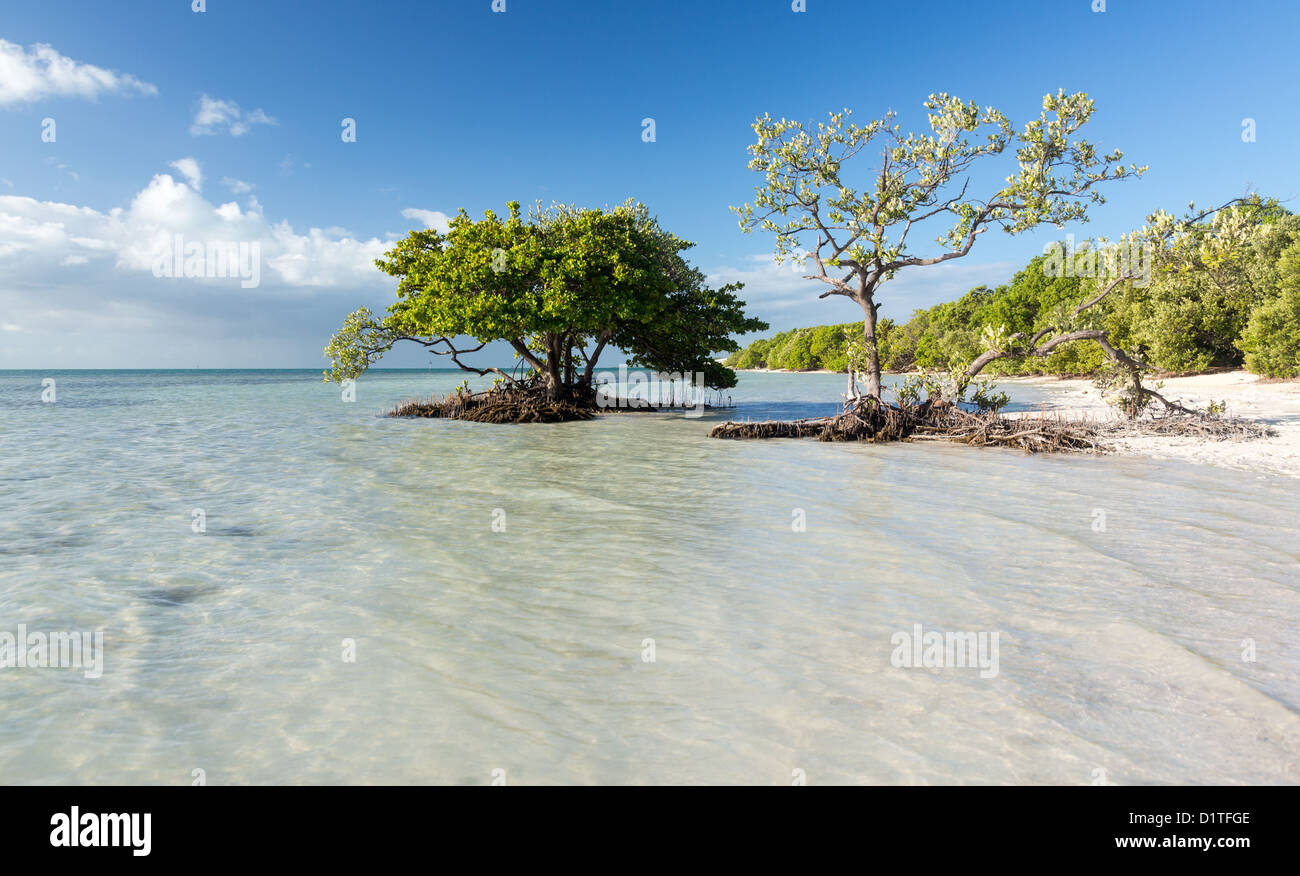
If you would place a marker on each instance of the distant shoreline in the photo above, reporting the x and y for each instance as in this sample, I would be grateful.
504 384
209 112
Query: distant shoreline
811 371
785 371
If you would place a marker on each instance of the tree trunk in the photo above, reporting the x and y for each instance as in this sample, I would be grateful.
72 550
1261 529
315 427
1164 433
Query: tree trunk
595 354
554 380
873 352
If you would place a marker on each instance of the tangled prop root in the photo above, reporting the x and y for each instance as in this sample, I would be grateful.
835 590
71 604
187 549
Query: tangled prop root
870 420
523 402
498 406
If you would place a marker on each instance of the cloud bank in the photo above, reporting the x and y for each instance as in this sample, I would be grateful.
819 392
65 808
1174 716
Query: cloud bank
78 286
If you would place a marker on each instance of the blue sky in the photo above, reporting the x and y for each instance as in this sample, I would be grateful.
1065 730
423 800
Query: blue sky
458 106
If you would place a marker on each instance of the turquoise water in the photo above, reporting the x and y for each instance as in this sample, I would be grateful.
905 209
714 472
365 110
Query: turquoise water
525 650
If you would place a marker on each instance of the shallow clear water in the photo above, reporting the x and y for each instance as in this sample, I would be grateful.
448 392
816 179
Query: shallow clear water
1121 650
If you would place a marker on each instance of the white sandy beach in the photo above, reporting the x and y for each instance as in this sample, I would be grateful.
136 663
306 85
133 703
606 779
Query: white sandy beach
1276 403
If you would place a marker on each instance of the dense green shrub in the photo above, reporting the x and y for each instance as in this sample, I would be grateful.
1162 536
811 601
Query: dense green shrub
1271 339
1217 309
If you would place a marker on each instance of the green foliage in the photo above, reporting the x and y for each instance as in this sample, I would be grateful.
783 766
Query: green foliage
357 345
897 347
824 348
554 286
1271 340
955 386
861 222
909 391
803 168
1208 280
980 392
1224 293
1117 388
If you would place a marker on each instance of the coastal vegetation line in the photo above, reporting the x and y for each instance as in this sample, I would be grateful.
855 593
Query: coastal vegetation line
1242 311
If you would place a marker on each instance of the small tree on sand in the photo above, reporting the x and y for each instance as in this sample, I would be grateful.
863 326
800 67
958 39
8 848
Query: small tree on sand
867 233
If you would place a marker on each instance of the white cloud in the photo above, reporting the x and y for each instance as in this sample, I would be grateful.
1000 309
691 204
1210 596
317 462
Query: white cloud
238 186
224 116
189 168
39 72
80 283
431 218
7 182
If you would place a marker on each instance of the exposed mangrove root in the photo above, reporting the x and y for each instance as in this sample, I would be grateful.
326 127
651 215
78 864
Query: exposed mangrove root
502 404
521 402
1199 427
941 421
